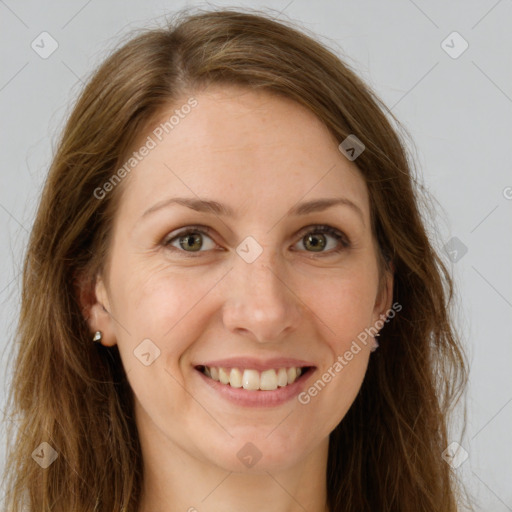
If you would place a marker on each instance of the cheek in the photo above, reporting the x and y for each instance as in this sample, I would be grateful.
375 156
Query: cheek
166 308
164 305
344 303
344 307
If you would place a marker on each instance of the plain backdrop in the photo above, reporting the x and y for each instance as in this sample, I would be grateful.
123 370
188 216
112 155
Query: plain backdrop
452 92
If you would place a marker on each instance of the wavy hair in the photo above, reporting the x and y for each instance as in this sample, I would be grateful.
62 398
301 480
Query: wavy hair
386 454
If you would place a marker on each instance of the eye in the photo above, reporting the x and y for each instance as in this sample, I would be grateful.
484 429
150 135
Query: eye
191 239
316 239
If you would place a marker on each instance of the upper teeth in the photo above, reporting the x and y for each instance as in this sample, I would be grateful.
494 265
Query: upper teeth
267 380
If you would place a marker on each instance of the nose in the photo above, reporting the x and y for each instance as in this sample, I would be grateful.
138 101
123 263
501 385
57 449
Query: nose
261 301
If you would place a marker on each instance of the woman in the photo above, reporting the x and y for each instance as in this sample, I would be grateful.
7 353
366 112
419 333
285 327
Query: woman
228 225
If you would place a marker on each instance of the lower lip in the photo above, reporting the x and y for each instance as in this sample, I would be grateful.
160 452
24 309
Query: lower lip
257 398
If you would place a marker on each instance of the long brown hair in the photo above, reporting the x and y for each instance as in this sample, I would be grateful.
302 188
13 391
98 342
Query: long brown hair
386 454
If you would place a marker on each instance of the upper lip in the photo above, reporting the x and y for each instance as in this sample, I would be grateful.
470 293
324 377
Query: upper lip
257 364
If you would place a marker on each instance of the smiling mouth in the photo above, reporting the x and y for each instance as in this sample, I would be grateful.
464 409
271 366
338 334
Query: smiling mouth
254 380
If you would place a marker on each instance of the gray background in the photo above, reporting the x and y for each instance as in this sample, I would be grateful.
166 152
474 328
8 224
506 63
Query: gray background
457 110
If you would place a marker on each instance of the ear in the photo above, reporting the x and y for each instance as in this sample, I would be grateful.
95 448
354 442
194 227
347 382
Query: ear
384 297
95 306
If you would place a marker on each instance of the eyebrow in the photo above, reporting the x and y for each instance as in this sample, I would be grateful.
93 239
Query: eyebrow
216 208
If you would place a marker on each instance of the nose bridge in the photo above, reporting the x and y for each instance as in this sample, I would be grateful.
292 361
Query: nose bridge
260 279
259 300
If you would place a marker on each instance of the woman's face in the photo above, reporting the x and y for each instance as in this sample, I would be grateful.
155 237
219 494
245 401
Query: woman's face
249 281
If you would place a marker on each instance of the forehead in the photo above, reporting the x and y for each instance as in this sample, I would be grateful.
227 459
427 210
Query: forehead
249 148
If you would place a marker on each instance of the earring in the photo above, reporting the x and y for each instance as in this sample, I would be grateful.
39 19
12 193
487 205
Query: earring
97 336
375 345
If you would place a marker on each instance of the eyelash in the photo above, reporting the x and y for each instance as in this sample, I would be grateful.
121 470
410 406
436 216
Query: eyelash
344 242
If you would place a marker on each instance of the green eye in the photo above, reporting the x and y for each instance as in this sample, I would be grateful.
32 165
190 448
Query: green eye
192 241
197 239
315 242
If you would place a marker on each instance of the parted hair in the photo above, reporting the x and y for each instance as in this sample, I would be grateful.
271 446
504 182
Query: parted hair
386 453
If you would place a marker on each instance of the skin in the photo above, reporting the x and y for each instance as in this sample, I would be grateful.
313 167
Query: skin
260 155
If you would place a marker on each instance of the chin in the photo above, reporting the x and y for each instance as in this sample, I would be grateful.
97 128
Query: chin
248 454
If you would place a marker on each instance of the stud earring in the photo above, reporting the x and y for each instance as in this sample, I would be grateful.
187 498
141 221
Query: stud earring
97 336
375 345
